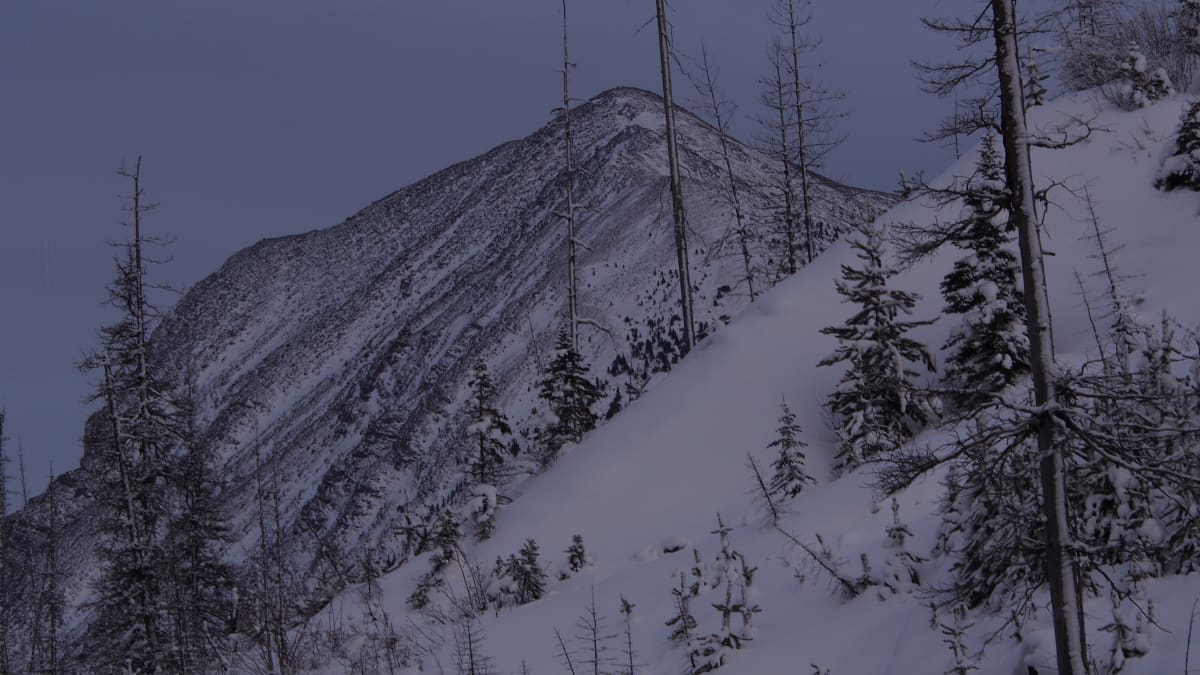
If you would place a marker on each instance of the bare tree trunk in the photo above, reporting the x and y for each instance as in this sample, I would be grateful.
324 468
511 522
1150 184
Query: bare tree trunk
677 212
4 611
708 88
801 140
53 586
776 99
569 214
1070 639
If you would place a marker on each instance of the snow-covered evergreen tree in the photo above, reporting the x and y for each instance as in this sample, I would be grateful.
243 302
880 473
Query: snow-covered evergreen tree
1035 82
989 351
876 407
682 623
899 574
577 558
1181 169
991 515
490 429
130 627
528 576
571 398
491 436
788 476
201 583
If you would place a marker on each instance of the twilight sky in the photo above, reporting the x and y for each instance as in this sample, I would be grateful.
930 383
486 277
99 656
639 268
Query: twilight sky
260 118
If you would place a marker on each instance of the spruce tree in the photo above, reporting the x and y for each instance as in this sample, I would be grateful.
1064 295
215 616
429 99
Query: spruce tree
490 429
200 581
1035 83
529 577
876 407
989 351
571 398
789 477
491 435
577 558
1181 169
131 591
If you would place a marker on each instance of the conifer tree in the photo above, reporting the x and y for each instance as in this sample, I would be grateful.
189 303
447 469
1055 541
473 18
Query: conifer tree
990 350
789 476
490 429
876 406
683 623
528 575
1035 83
491 435
201 583
630 661
1181 169
577 558
131 591
570 397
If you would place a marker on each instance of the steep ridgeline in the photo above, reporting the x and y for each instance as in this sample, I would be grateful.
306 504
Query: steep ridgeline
342 355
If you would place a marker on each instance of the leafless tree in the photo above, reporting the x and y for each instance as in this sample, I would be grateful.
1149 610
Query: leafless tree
569 205
678 214
719 111
814 136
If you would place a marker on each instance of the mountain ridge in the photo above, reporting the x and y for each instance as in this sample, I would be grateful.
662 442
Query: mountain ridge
340 354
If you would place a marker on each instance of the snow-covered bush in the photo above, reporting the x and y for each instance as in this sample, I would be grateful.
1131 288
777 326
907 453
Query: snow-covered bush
1138 84
1096 54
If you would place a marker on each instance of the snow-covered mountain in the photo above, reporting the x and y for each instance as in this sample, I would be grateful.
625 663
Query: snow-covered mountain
341 355
646 490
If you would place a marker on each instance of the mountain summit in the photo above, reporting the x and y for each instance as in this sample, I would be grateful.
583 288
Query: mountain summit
339 358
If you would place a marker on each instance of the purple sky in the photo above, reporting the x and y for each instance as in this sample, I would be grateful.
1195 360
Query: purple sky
261 118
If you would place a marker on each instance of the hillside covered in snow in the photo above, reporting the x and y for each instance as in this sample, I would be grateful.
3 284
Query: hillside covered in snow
646 491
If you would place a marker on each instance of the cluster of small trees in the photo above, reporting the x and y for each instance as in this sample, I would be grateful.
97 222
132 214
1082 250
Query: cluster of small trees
731 578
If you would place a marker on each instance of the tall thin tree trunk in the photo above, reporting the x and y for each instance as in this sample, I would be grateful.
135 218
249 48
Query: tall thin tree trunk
53 586
569 215
677 212
735 200
1070 639
4 611
789 198
801 140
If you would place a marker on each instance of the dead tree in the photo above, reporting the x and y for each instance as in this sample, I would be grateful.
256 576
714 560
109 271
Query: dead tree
778 146
4 609
813 137
569 207
1001 107
677 211
706 85
1070 638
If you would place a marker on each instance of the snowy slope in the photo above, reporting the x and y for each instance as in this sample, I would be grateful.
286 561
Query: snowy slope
659 473
343 353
